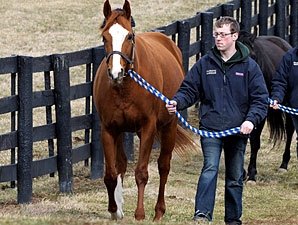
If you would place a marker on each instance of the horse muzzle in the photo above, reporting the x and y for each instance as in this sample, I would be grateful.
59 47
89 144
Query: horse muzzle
116 76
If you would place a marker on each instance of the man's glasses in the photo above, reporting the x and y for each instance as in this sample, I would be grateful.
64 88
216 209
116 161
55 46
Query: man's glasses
221 35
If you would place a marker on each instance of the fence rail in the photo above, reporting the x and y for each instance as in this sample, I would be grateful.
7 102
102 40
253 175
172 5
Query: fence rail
278 18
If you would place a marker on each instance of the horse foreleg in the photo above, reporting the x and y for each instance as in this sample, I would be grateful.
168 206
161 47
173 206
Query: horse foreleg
121 165
287 153
141 171
164 163
110 178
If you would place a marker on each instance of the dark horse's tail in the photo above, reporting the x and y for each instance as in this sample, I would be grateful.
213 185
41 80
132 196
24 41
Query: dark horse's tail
275 118
260 51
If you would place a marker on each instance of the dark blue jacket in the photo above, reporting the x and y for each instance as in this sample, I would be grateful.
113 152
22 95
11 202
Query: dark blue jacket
228 92
285 81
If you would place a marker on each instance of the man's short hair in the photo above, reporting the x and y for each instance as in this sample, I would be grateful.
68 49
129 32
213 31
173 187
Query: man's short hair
227 20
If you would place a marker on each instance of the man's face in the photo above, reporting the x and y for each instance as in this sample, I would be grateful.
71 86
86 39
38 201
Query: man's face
224 39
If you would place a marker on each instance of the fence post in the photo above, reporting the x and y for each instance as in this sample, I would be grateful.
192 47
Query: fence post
294 23
198 34
183 44
184 41
280 28
25 130
63 127
228 9
263 17
207 40
97 158
246 11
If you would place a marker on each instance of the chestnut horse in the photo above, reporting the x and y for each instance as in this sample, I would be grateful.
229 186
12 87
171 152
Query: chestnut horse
124 106
268 52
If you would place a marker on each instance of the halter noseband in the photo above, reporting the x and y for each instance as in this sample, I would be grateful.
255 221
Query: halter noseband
128 60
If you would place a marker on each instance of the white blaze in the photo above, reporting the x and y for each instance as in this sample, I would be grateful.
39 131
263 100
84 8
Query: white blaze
118 34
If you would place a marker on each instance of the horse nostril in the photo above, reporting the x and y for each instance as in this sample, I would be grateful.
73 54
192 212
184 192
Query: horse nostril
121 73
109 73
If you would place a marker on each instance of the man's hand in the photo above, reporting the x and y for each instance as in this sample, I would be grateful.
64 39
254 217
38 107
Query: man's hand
171 107
246 127
274 105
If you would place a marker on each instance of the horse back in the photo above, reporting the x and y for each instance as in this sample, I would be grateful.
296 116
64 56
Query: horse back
269 51
272 48
277 41
159 61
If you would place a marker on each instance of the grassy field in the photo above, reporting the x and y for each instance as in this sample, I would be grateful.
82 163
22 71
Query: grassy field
42 27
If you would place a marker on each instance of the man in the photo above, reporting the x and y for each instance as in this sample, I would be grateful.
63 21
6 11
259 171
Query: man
285 82
231 91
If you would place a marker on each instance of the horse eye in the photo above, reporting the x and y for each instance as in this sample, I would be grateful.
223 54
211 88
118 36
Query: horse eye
130 37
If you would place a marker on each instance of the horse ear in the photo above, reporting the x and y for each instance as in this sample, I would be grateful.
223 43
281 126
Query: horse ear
107 9
126 8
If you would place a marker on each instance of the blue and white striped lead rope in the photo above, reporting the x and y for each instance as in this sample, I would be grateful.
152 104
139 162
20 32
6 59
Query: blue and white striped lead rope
143 83
285 108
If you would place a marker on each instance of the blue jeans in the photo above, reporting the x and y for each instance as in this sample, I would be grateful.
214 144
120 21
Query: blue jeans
234 150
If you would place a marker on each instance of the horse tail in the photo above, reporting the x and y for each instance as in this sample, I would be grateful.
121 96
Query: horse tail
185 143
276 124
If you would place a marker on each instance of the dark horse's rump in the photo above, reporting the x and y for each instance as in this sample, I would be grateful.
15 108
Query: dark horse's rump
267 51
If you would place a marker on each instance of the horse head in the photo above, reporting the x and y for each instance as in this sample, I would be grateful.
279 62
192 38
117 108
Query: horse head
119 39
248 39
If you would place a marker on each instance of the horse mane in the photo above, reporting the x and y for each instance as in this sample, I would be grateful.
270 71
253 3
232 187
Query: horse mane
247 38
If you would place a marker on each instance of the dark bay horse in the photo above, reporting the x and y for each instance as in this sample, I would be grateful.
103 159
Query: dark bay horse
124 106
267 52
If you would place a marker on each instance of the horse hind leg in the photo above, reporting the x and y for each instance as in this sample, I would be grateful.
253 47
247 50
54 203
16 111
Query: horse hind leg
297 146
255 144
289 135
168 135
141 172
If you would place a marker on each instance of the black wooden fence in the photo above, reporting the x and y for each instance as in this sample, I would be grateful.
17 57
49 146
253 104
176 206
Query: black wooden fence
279 17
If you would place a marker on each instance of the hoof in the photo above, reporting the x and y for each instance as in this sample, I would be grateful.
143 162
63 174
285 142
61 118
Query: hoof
251 182
118 215
282 170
